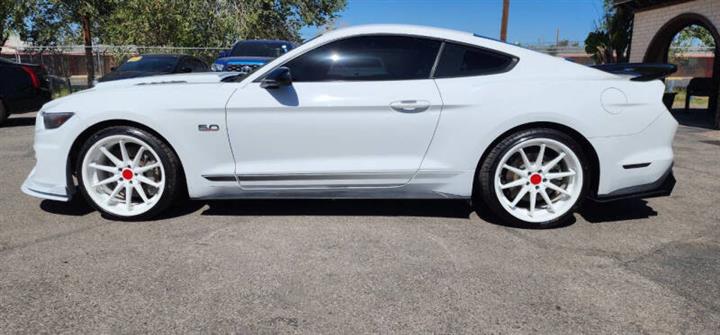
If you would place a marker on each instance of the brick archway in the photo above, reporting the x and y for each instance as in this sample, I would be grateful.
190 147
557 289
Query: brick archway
657 50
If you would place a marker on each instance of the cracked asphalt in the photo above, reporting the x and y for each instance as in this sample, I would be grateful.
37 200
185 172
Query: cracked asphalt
328 267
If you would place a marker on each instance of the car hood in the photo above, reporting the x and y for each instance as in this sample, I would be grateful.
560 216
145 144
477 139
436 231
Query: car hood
180 78
77 100
243 60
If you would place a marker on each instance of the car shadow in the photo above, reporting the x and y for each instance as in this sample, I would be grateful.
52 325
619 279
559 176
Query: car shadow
445 208
621 210
289 207
79 207
341 207
18 122
75 207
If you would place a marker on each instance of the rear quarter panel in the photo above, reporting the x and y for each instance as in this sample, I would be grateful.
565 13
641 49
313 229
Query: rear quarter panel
478 110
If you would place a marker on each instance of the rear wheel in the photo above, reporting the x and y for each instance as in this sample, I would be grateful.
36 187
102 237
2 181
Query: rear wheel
534 178
128 173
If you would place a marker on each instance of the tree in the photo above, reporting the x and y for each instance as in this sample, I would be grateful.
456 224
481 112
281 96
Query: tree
690 33
197 23
52 22
284 18
11 16
44 24
690 36
610 42
214 23
88 14
597 44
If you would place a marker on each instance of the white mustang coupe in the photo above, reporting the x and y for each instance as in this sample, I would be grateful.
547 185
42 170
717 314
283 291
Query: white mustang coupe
382 111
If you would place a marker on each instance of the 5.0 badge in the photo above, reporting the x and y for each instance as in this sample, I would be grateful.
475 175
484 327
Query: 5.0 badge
208 127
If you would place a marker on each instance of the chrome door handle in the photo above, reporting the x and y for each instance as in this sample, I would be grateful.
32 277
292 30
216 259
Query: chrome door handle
410 106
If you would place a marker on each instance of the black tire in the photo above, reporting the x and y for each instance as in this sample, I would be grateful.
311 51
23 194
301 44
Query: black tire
4 114
171 163
485 188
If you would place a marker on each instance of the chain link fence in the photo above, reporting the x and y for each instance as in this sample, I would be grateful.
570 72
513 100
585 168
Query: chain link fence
67 67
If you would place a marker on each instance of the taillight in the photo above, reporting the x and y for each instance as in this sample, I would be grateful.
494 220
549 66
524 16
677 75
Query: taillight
33 76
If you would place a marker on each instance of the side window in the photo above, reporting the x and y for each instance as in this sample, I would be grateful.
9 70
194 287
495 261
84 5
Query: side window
463 61
367 58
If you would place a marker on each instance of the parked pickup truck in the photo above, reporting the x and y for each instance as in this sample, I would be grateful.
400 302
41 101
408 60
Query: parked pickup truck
247 56
23 88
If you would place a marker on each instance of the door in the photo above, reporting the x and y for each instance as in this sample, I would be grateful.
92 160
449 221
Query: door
360 112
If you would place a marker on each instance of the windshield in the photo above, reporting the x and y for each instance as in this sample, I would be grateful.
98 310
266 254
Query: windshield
260 49
150 64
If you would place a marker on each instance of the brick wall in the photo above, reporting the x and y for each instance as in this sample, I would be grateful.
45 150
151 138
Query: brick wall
648 22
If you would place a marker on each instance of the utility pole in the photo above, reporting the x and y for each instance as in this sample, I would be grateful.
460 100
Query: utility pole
504 24
557 37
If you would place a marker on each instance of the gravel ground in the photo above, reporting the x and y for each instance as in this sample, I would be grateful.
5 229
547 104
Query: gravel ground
361 266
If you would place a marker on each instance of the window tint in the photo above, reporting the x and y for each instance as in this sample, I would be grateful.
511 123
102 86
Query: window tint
462 61
367 58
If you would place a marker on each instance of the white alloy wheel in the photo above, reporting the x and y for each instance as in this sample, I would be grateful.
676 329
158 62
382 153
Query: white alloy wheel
123 175
538 180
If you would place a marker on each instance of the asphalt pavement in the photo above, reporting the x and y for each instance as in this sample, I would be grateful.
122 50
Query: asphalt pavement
353 267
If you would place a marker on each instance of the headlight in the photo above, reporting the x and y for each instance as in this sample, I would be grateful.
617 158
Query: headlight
55 120
217 67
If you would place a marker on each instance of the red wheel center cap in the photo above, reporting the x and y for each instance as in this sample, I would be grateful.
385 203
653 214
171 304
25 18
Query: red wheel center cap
536 179
127 174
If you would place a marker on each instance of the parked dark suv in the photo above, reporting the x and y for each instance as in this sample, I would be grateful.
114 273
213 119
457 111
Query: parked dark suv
23 88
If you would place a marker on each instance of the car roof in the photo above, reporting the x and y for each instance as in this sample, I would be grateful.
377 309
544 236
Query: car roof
423 31
398 29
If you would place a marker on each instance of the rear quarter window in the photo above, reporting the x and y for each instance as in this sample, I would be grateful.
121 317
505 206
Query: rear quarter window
465 61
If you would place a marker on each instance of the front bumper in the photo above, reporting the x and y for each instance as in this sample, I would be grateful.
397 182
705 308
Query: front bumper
37 189
49 179
663 187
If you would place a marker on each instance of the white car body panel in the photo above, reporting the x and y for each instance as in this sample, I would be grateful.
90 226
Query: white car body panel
343 139
339 133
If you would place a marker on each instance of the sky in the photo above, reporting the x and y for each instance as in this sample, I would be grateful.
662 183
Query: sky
531 21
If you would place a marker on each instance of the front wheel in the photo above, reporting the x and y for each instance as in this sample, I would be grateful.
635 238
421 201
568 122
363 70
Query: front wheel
534 178
128 173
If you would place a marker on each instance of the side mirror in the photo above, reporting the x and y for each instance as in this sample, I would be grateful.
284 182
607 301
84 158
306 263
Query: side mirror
223 54
186 70
113 68
277 78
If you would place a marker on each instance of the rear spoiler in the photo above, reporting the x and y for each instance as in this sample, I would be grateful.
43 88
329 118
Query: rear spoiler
639 71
